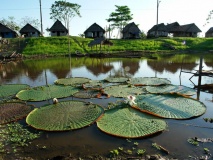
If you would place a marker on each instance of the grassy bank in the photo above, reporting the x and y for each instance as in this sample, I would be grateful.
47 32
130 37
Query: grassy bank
60 45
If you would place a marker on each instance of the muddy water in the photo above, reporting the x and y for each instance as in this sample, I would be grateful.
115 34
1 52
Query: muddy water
90 140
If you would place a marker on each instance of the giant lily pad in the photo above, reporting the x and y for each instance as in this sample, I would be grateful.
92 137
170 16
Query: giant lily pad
145 81
170 106
122 90
89 93
11 89
46 92
182 90
74 81
63 116
116 79
130 123
12 111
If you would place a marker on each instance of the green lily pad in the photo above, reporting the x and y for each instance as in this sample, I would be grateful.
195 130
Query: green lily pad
87 94
13 111
42 93
182 90
116 79
64 116
74 81
170 106
122 90
148 81
130 123
11 89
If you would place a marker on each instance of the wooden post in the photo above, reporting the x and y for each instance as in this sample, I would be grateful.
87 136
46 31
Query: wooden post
200 71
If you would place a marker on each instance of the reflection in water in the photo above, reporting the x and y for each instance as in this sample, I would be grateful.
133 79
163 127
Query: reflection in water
90 140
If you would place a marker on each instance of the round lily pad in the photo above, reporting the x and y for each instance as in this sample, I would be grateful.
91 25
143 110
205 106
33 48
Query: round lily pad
146 81
74 81
116 79
122 90
87 94
182 90
64 116
170 106
130 123
11 89
12 111
42 93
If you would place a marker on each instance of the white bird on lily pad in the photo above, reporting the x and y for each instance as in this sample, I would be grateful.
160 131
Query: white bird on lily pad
55 100
131 100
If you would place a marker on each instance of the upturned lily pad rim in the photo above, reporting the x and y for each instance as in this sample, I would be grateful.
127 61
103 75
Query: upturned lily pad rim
172 95
135 110
46 105
175 93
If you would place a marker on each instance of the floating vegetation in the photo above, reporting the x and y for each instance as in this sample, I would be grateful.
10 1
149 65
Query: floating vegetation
145 81
122 91
165 89
170 106
129 123
74 81
159 147
210 120
13 111
16 135
64 116
117 79
42 93
141 151
7 90
193 141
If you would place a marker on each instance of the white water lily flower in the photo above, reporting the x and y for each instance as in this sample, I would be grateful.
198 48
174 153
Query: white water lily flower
55 100
130 100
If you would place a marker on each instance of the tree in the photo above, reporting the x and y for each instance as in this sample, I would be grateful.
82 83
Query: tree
64 11
209 18
120 17
10 23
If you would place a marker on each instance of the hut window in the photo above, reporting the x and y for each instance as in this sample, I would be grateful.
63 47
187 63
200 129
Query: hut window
53 31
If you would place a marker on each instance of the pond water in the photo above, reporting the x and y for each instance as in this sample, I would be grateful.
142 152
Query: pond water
90 140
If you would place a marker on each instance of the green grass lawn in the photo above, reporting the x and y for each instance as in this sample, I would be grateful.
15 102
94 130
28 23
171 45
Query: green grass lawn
60 45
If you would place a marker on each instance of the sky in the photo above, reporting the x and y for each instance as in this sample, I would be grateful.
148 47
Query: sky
97 11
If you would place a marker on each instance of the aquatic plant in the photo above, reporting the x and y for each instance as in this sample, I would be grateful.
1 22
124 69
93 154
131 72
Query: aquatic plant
74 81
67 115
129 123
7 90
151 81
13 111
42 93
170 106
177 89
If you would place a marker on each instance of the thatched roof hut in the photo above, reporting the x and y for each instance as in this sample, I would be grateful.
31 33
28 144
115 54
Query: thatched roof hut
172 25
6 32
188 30
58 29
131 31
209 33
160 30
29 31
94 31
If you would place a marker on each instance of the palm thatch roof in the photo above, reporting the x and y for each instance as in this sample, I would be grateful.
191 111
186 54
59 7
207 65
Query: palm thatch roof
4 28
188 28
58 26
131 28
94 28
172 25
210 30
29 28
159 27
101 41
